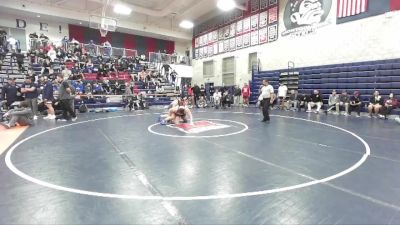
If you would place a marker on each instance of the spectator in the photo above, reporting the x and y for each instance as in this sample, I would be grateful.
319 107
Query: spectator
282 93
315 100
31 92
52 54
390 104
344 101
375 104
304 99
22 116
196 94
237 94
293 100
246 94
334 102
66 97
66 73
217 98
20 60
355 103
9 92
46 67
48 98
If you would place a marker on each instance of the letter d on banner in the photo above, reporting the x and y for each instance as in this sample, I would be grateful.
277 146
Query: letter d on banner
19 21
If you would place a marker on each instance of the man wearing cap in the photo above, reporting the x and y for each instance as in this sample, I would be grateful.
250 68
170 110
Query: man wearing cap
9 92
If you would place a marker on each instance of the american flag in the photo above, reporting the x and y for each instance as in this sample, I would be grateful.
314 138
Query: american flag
351 7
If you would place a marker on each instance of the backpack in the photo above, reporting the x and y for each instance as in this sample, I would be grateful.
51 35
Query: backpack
83 108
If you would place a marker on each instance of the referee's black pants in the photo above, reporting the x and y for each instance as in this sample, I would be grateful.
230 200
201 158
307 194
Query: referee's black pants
265 108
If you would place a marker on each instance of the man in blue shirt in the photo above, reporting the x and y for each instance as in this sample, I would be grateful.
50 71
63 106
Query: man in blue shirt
31 92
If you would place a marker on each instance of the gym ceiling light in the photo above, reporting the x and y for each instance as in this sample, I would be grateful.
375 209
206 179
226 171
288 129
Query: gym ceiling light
122 9
226 5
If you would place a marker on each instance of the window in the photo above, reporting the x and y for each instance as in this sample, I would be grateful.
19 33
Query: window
228 71
253 61
208 69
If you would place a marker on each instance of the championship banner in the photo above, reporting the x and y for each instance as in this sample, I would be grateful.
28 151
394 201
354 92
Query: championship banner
215 35
215 46
273 15
263 4
246 25
226 46
273 33
210 50
246 40
254 22
239 42
232 44
226 32
196 42
232 32
210 38
254 38
205 52
262 33
239 27
263 19
221 46
221 34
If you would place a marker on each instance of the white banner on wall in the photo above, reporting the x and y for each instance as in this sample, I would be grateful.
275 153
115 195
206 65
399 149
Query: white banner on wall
254 38
263 19
239 27
254 22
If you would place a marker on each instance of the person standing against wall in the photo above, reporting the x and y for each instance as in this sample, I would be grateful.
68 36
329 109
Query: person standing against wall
238 93
266 98
196 93
246 95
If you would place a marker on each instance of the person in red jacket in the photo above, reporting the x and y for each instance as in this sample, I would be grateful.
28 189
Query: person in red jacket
246 95
390 104
190 94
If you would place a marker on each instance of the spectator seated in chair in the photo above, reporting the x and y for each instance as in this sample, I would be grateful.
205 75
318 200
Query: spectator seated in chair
293 101
334 102
390 104
315 101
355 103
344 102
375 104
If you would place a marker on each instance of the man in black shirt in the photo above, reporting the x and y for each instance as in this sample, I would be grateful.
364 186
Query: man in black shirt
31 92
20 59
196 93
355 103
9 92
315 100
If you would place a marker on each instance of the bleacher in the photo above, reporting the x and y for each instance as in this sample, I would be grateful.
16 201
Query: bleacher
10 70
382 75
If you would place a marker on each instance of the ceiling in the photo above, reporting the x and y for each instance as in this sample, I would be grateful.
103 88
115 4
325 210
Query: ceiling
149 17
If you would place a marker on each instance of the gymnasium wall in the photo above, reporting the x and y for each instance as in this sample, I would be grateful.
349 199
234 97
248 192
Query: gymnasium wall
25 26
372 38
142 44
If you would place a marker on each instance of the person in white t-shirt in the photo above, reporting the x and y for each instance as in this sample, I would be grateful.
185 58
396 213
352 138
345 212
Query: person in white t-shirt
266 98
282 93
217 98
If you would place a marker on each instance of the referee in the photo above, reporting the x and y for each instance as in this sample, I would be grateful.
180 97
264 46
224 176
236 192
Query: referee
266 98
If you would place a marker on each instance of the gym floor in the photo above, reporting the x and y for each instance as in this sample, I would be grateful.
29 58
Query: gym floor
123 168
